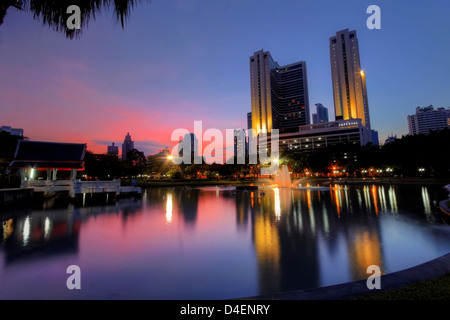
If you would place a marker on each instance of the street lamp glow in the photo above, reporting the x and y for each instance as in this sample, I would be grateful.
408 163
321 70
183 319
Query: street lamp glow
169 157
362 73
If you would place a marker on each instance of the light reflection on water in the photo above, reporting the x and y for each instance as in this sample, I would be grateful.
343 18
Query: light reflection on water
209 243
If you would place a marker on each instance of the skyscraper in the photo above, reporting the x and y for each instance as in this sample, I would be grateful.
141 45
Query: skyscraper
321 114
427 119
240 144
127 145
189 143
279 94
249 120
349 80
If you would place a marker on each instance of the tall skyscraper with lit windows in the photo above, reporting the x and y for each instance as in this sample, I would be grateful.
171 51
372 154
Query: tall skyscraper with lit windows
279 94
349 80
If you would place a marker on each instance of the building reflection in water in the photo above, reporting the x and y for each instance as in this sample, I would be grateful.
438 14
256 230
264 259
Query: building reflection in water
34 234
279 235
187 205
169 208
295 238
267 245
393 200
367 200
374 197
427 204
39 235
364 250
291 227
277 203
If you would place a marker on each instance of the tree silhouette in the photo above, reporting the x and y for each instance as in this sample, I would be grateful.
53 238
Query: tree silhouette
53 13
136 162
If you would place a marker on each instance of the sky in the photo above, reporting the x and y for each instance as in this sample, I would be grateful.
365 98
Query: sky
180 61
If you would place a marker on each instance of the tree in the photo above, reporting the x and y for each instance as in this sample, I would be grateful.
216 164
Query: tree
136 162
8 145
191 170
103 166
53 13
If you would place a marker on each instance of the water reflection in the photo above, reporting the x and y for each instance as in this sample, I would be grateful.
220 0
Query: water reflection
233 244
267 245
169 206
277 203
51 230
393 200
38 235
187 204
288 244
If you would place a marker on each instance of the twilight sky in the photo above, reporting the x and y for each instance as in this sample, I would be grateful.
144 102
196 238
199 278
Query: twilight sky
178 61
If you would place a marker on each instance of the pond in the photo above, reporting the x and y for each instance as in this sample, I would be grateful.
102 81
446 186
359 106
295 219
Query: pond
218 243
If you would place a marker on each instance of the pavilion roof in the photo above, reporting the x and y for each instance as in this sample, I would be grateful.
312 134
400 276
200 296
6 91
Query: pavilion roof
40 154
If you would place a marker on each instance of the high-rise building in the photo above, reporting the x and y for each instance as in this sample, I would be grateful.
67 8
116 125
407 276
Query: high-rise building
127 145
112 149
190 143
321 114
240 144
427 119
279 94
349 80
375 138
249 120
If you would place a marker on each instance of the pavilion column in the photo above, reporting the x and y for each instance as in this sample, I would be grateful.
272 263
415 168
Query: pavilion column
49 173
22 177
73 174
55 171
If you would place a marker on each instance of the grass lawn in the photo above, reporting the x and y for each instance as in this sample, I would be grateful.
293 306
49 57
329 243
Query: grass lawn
432 289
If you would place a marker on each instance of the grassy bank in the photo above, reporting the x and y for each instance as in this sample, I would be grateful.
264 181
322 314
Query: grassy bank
432 289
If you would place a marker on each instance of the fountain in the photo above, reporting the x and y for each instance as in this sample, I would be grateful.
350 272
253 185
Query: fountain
283 178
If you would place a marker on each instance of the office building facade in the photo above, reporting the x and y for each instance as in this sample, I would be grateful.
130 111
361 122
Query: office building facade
321 114
428 118
279 94
316 136
189 144
240 144
348 79
249 121
112 149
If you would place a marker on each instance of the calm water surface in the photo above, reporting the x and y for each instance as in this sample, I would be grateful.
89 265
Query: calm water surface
208 243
